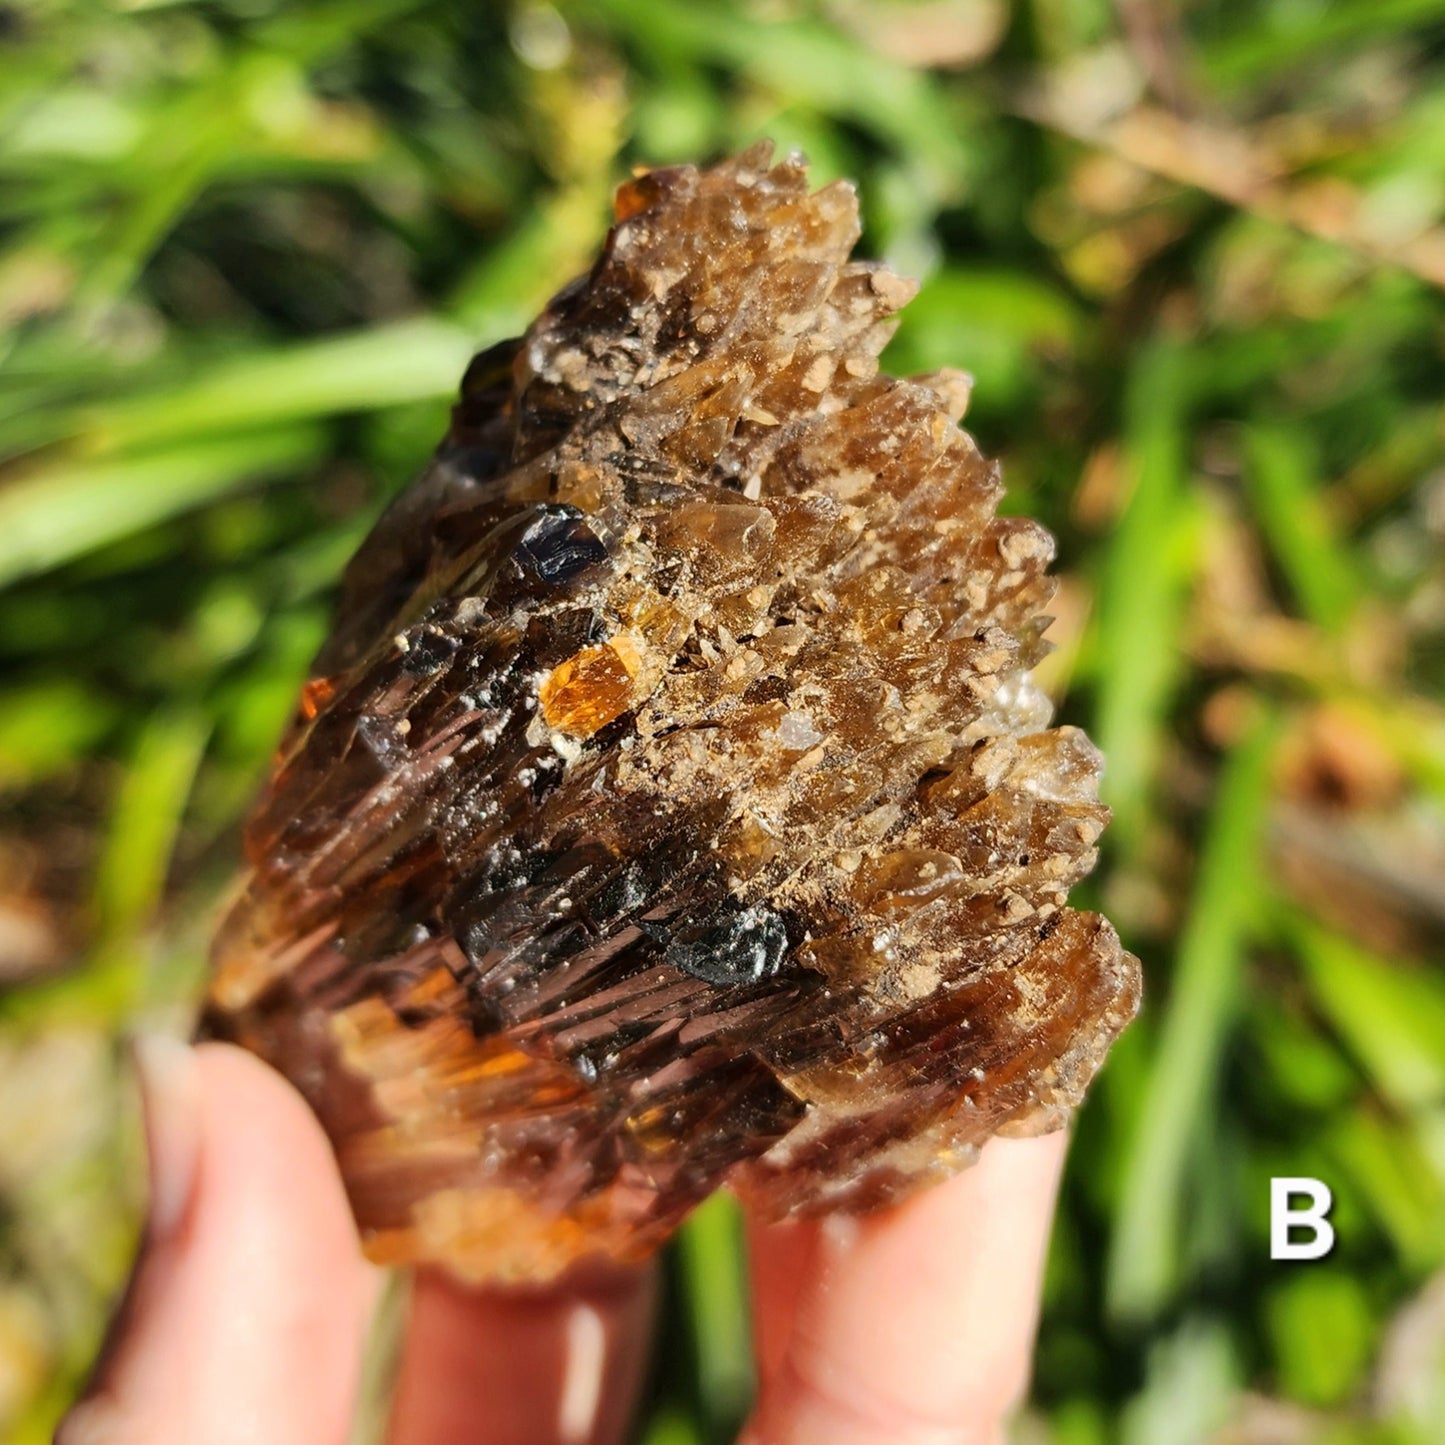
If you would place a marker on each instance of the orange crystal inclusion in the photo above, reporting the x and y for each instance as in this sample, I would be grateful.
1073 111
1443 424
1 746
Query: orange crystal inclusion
591 689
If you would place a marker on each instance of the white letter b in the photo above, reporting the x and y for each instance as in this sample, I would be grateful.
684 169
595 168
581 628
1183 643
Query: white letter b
1313 1217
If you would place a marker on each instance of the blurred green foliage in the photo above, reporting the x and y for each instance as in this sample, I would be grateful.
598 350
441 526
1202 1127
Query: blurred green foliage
1192 251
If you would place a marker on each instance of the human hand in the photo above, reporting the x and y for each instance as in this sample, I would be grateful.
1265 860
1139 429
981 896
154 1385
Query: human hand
244 1320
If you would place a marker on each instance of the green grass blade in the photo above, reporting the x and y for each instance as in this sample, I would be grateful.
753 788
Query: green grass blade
1187 1387
1297 31
62 512
1179 1091
1281 480
405 361
144 825
1391 1169
711 1253
1391 1015
1142 590
671 1427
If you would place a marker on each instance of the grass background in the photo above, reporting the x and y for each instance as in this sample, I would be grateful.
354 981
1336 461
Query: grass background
1193 254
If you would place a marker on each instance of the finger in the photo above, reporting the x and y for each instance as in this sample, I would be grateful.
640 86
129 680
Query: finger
555 1367
244 1318
910 1327
781 1261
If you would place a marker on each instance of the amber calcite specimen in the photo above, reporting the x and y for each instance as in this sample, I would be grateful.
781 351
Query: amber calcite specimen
672 806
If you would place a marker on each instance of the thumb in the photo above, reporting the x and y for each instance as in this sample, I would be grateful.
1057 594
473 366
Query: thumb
244 1317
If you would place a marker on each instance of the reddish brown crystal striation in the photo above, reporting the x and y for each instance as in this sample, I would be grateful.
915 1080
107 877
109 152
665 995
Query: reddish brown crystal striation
672 806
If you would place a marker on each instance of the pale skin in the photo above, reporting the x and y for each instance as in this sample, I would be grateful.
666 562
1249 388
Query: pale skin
245 1317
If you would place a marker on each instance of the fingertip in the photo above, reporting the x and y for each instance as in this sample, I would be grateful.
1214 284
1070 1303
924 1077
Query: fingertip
170 1091
915 1324
270 1170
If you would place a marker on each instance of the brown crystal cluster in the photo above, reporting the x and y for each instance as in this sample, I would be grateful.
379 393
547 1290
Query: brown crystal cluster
672 806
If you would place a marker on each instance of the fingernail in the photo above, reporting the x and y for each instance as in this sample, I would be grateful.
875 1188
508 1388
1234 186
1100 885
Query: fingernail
170 1099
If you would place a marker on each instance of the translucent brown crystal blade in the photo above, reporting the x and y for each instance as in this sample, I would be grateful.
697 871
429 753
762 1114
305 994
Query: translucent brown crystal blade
672 805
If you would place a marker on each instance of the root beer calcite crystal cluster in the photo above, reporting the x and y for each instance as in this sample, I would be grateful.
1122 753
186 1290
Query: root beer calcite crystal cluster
672 806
